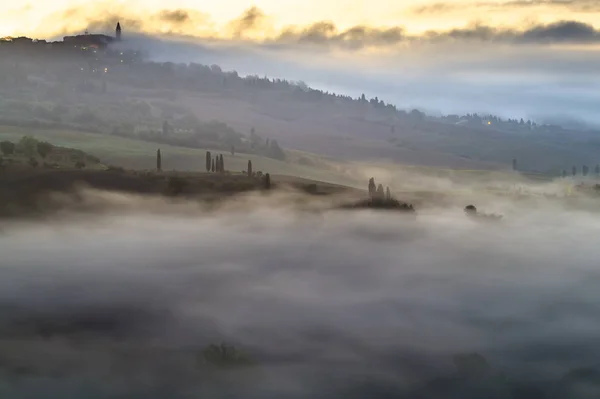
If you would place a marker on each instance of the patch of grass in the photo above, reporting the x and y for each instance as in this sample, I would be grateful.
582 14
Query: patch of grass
138 154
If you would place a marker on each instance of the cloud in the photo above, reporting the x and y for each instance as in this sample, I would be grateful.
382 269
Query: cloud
177 16
254 26
360 37
356 37
435 8
563 31
122 304
441 8
248 22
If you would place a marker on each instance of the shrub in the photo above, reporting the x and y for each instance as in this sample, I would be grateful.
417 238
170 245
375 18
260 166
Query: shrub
33 162
224 355
80 164
7 147
44 148
27 145
115 169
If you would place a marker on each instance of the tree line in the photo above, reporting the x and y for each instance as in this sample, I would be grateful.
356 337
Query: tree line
216 164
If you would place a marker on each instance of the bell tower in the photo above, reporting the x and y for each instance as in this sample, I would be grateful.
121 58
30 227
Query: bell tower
118 31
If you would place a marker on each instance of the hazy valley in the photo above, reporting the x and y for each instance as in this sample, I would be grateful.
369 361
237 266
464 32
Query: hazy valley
176 230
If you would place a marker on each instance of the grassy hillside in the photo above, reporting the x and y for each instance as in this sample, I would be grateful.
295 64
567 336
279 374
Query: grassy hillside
137 154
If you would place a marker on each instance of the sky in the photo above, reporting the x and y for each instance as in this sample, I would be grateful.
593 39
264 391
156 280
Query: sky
44 18
521 58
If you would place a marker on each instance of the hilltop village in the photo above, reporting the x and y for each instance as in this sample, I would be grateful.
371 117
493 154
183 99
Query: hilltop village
95 47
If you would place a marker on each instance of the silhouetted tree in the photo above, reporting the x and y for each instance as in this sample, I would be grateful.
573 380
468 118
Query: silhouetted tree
232 150
208 161
165 128
388 194
514 164
33 162
267 181
221 164
158 161
80 164
7 147
372 187
249 168
380 192
212 165
585 170
274 150
470 210
574 170
44 148
27 145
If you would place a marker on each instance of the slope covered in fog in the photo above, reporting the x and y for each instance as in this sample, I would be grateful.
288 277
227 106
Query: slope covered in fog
343 304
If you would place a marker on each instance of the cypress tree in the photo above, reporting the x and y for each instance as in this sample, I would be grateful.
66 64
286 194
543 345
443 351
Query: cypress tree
208 160
267 181
388 194
212 165
574 170
372 187
249 168
514 164
158 161
380 192
221 164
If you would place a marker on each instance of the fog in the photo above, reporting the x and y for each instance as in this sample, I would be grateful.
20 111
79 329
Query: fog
329 304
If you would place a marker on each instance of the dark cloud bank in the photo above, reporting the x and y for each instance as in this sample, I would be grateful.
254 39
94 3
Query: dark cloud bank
346 305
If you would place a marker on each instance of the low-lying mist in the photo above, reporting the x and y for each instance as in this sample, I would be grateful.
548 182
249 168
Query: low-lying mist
329 304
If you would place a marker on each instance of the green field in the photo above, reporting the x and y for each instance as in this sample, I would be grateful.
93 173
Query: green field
137 154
